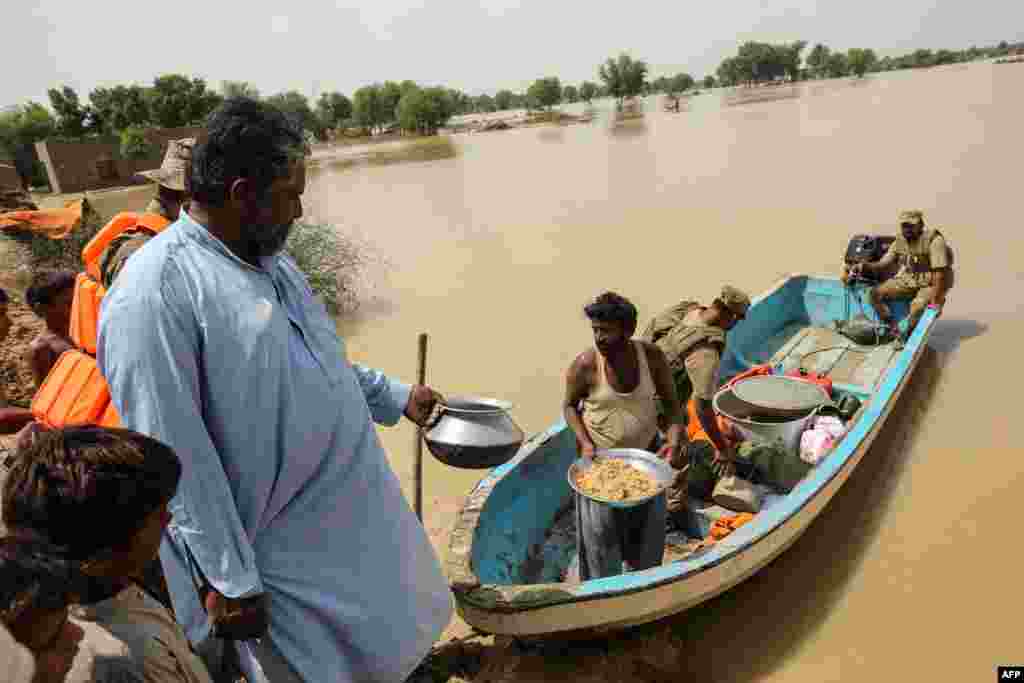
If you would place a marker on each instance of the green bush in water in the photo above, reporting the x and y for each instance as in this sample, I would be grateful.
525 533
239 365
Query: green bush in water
330 262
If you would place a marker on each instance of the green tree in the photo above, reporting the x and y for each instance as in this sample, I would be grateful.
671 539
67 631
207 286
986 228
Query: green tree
483 103
680 83
588 91
134 144
333 108
20 128
570 94
922 58
424 110
545 92
838 65
120 107
239 89
504 100
176 100
407 85
462 103
72 116
295 105
368 107
791 57
708 82
729 72
817 60
390 94
859 61
623 77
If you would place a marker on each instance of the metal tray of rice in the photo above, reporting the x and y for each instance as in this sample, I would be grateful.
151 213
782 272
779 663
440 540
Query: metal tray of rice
620 477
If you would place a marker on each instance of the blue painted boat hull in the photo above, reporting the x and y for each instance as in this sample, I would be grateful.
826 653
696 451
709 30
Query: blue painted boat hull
504 569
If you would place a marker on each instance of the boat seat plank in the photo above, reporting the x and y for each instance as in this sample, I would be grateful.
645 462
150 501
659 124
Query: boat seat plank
845 362
789 356
780 343
871 371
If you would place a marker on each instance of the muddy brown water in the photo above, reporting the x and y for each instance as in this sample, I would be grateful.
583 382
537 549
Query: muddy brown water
913 569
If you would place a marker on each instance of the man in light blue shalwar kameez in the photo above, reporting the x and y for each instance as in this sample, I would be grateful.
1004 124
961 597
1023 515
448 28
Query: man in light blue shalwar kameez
212 342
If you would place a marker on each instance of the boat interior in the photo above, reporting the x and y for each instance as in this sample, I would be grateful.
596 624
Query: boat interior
791 327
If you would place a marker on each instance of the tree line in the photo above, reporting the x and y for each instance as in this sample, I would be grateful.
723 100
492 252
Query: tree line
756 62
176 100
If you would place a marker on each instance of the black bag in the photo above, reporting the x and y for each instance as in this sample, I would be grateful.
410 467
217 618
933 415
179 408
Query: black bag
774 465
861 330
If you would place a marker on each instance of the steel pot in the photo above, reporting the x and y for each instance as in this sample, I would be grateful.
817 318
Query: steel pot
474 433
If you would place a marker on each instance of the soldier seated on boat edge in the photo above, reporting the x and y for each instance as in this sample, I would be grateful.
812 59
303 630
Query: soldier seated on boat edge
925 273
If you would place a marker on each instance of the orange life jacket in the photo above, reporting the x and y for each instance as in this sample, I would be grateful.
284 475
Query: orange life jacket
74 392
695 430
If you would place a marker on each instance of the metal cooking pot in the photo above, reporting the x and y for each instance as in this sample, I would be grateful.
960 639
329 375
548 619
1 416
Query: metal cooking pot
474 433
779 396
751 424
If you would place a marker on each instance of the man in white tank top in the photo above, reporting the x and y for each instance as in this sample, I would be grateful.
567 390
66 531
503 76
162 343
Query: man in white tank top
610 402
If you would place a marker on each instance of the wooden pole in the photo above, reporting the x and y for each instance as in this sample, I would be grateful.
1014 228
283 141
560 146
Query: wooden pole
417 473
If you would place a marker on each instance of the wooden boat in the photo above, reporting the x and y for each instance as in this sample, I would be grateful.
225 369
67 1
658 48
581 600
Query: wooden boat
514 540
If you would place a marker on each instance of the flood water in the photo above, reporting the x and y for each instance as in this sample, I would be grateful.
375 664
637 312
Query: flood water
913 569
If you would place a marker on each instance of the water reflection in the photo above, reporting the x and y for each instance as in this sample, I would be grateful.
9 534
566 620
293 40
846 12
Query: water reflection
430 148
554 132
629 120
632 126
761 93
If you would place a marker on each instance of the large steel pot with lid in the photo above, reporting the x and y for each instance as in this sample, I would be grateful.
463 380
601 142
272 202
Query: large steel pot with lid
474 433
770 407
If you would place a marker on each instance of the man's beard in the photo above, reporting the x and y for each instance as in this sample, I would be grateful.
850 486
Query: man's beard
268 240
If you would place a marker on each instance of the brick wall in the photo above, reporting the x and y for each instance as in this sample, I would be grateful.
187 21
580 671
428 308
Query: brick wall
9 178
96 164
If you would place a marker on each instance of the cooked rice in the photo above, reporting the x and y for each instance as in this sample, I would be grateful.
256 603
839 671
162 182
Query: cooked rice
611 479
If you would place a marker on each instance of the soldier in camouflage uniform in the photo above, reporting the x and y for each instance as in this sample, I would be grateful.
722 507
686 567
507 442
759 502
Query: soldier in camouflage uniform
693 340
925 271
170 198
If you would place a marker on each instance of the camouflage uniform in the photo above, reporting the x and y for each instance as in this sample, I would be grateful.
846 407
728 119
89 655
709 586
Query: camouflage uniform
694 353
120 249
171 175
917 260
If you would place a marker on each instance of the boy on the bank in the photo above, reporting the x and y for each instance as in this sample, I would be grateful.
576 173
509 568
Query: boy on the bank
50 297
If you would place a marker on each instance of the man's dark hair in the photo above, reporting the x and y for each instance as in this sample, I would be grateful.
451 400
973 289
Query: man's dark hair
34 576
46 287
244 138
611 307
87 489
4 299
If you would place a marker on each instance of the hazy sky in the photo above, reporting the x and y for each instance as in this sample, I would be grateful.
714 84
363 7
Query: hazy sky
475 45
